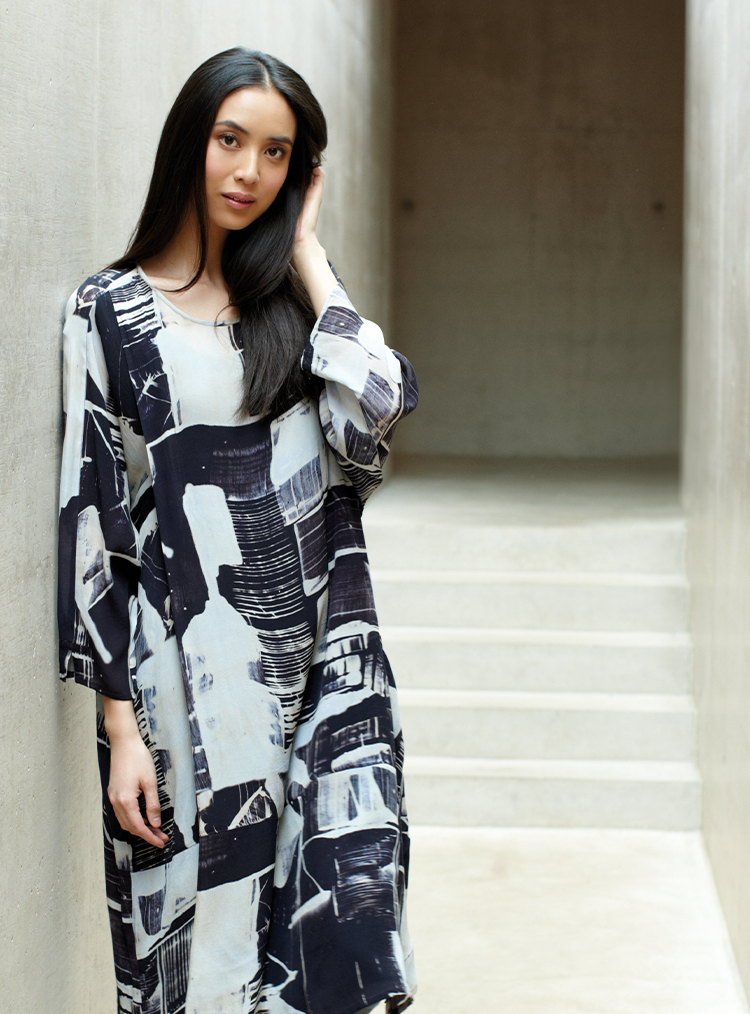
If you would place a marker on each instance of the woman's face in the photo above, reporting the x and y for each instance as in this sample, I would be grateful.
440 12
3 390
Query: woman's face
247 158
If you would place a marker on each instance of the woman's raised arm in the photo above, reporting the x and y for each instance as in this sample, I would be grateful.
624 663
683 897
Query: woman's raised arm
367 387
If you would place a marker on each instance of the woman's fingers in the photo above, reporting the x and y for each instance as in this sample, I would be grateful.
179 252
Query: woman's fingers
153 810
131 820
132 774
307 248
309 258
308 219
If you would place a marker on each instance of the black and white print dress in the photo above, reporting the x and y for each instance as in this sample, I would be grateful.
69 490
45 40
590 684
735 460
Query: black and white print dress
213 570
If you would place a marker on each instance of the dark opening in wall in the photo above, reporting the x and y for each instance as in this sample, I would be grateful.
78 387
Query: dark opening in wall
538 163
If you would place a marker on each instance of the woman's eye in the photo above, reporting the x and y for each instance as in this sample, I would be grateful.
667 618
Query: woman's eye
228 139
276 152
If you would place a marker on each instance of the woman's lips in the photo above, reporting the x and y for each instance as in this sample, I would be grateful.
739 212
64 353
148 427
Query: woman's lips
239 201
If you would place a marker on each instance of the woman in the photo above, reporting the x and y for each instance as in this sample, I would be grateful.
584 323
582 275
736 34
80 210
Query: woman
227 415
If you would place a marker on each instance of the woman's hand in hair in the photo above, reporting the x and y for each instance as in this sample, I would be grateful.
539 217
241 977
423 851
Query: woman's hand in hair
307 222
309 257
131 774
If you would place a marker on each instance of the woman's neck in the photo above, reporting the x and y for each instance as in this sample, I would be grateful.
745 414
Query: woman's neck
180 259
176 265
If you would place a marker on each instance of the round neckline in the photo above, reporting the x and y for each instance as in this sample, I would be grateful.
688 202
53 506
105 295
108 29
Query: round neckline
196 320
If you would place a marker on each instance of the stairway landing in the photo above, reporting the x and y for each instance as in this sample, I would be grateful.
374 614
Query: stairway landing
529 491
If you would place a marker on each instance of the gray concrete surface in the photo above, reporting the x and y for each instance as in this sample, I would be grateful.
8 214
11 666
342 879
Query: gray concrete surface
84 89
525 921
716 443
538 222
534 613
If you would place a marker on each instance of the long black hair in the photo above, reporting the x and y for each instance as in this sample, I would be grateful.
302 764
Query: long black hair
275 311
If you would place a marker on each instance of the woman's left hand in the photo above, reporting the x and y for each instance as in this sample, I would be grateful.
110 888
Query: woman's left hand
308 257
308 217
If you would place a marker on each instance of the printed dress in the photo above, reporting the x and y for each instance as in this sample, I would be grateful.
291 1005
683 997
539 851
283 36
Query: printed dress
213 569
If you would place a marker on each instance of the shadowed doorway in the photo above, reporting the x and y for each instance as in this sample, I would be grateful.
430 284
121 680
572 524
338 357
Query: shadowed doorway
538 225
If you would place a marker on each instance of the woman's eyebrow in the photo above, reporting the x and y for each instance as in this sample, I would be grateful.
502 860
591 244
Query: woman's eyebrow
233 125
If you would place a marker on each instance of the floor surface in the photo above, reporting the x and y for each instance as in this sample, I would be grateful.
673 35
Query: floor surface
548 921
540 921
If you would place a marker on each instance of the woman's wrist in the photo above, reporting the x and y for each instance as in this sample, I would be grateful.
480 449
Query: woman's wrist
311 263
308 254
120 722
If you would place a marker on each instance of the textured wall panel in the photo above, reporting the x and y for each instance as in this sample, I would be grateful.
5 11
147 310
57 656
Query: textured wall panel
717 435
85 88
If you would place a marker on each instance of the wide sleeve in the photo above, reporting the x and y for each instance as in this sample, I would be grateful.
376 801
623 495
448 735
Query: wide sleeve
367 388
98 559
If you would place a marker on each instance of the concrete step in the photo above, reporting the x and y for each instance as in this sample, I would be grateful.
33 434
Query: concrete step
476 658
641 546
537 600
459 791
548 726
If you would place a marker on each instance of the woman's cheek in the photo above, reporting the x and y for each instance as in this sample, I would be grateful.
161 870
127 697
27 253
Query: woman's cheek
282 181
212 168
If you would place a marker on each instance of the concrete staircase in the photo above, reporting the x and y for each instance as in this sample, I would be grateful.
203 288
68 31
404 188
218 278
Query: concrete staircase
542 659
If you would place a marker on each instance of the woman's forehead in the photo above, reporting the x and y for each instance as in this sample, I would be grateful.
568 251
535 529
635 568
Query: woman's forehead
258 110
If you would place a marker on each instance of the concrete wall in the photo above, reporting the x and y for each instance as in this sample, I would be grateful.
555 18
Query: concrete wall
538 190
84 89
717 435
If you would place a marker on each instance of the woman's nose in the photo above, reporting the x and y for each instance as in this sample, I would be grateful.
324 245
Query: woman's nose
247 170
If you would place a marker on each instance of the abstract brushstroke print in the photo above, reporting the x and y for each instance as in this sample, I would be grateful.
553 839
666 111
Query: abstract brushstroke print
213 570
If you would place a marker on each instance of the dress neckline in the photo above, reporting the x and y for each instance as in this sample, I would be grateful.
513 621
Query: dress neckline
196 320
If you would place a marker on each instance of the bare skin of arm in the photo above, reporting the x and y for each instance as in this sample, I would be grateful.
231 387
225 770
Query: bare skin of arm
132 771
131 774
